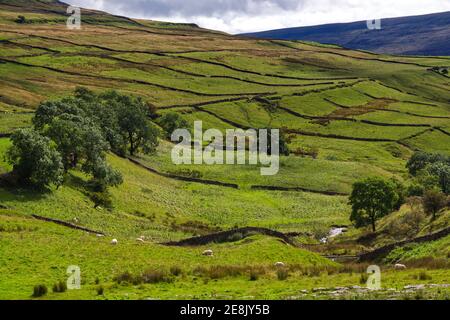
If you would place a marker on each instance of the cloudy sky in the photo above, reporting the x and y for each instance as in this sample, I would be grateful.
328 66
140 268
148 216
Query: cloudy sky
237 16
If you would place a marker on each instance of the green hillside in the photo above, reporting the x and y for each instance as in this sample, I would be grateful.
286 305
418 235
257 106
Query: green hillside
347 115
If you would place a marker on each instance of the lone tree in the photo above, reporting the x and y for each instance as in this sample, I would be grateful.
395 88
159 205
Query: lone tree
372 199
434 201
35 160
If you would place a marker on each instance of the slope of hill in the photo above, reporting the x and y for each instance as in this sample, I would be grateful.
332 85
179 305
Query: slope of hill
348 115
427 35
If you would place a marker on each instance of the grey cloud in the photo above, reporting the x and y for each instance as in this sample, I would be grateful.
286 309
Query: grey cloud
201 7
256 15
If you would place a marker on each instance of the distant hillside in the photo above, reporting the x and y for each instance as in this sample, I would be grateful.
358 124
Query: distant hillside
417 35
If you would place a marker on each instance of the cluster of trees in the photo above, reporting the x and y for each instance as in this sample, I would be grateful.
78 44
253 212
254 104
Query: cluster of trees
430 171
374 198
77 132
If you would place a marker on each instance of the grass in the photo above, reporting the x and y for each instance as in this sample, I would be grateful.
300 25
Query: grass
157 206
436 250
315 174
12 121
45 245
34 253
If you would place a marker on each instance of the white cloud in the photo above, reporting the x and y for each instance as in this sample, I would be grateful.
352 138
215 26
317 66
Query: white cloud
236 16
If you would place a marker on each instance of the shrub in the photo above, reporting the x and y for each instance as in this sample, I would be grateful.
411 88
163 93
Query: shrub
176 271
60 287
408 225
102 199
282 274
100 290
218 272
420 160
434 201
40 290
424 276
20 19
124 277
172 121
154 276
254 276
363 278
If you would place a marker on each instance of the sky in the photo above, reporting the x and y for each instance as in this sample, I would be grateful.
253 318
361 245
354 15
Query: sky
239 16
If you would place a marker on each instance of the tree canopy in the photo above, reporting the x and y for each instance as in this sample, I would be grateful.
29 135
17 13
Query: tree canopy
77 132
372 199
35 160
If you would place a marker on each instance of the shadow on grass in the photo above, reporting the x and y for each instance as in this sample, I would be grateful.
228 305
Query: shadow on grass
12 192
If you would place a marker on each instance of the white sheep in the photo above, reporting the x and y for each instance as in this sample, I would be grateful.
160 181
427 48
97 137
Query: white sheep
399 266
114 242
208 253
280 264
140 240
75 220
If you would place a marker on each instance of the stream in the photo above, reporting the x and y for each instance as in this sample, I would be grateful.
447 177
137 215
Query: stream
334 232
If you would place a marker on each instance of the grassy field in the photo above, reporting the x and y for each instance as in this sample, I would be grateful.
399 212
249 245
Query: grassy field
361 114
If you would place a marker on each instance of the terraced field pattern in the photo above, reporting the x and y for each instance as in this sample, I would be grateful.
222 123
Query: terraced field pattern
347 115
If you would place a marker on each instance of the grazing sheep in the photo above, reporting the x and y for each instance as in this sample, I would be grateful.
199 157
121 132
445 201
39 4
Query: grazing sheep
399 266
140 240
75 220
208 253
114 242
280 264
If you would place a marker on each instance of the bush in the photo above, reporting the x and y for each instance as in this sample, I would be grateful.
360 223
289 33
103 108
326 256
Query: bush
154 276
364 278
60 287
126 277
254 276
100 290
102 199
172 121
20 19
424 276
434 201
420 160
218 272
282 274
415 190
40 290
176 271
408 225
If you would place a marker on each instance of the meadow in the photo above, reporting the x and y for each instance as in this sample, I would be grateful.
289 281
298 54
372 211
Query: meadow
347 115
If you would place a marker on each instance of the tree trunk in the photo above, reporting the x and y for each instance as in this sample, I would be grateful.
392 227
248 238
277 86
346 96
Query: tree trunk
374 228
130 137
